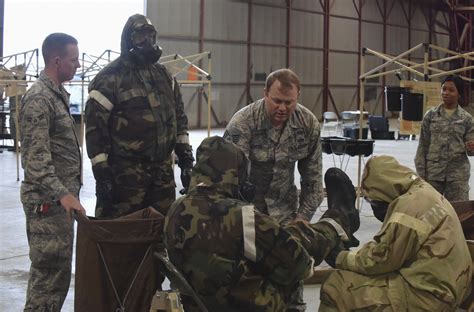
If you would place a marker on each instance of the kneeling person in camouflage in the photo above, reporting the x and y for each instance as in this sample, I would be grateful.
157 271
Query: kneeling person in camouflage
236 258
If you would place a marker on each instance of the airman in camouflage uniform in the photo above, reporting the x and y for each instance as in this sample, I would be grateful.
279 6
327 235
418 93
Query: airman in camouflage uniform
52 166
134 119
276 132
446 139
419 259
274 141
235 257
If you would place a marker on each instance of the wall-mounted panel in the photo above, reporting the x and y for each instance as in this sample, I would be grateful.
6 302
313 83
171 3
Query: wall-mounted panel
419 19
370 62
372 36
441 40
229 61
190 104
343 34
308 65
269 25
174 17
396 15
225 101
416 38
310 5
256 91
280 3
441 22
181 47
344 99
267 59
397 40
343 68
343 7
225 20
370 11
311 98
306 29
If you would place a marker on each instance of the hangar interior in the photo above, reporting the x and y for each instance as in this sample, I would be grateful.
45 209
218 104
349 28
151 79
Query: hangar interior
226 48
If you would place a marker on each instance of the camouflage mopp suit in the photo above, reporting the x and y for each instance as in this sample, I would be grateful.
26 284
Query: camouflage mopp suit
134 119
236 258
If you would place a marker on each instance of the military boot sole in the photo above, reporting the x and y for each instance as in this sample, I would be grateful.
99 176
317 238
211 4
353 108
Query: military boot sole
341 195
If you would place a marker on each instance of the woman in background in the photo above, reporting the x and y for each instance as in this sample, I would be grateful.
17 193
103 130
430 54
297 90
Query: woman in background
446 139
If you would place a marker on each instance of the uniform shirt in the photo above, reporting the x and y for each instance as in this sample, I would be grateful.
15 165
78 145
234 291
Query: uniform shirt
421 237
441 153
273 155
50 152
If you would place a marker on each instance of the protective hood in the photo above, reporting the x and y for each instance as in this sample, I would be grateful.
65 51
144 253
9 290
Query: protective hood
220 165
133 22
385 179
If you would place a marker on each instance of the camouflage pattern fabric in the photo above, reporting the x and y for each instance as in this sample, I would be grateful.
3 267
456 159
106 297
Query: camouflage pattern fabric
137 185
50 237
376 293
420 251
52 166
452 190
273 156
236 258
135 114
441 155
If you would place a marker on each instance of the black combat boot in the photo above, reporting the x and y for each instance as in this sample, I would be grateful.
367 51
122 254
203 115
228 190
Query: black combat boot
341 202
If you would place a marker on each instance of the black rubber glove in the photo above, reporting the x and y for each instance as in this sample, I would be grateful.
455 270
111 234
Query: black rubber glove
184 151
103 189
185 179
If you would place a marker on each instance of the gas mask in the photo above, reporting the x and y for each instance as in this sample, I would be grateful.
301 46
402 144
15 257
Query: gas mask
379 208
144 48
246 188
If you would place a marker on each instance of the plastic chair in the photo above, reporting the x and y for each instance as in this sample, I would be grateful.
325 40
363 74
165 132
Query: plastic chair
349 118
330 120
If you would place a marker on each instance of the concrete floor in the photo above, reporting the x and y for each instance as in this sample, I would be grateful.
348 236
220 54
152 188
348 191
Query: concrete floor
14 261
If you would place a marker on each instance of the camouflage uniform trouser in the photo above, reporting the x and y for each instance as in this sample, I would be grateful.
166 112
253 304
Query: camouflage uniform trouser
349 291
261 296
452 190
140 184
50 237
